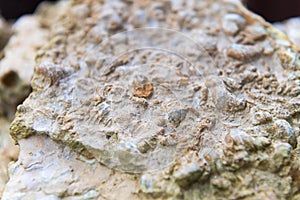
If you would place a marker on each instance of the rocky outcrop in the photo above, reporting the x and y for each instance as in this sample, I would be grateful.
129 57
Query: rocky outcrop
8 152
160 100
21 43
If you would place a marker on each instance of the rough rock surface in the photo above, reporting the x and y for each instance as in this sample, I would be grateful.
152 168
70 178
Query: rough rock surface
13 88
49 170
204 106
28 34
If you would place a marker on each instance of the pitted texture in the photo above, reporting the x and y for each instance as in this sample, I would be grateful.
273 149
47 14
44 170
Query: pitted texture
208 100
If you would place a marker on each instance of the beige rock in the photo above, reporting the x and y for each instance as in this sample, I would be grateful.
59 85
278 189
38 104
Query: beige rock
16 69
291 28
153 112
31 32
49 170
8 152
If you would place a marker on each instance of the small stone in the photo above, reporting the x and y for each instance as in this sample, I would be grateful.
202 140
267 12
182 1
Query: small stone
289 59
256 32
142 87
261 117
176 116
138 18
282 154
226 101
238 137
285 132
221 183
232 23
188 173
244 52
261 142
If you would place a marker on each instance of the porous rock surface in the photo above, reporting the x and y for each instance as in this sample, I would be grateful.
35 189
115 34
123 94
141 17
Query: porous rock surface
20 42
201 104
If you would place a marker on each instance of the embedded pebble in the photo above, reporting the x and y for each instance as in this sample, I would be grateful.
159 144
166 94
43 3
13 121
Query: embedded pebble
282 154
227 101
138 18
290 59
221 183
190 172
232 23
285 132
244 52
256 32
142 86
176 116
240 137
261 117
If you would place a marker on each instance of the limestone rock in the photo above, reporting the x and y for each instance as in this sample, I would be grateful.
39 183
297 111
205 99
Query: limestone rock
8 152
49 170
17 61
15 75
158 112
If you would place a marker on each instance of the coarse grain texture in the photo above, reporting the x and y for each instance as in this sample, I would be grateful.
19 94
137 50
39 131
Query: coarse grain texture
158 116
16 69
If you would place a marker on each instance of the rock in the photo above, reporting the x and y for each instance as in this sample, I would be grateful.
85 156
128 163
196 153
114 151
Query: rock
291 28
282 155
17 61
31 32
232 23
221 183
285 132
190 171
243 52
150 113
49 170
8 152
20 52
16 66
